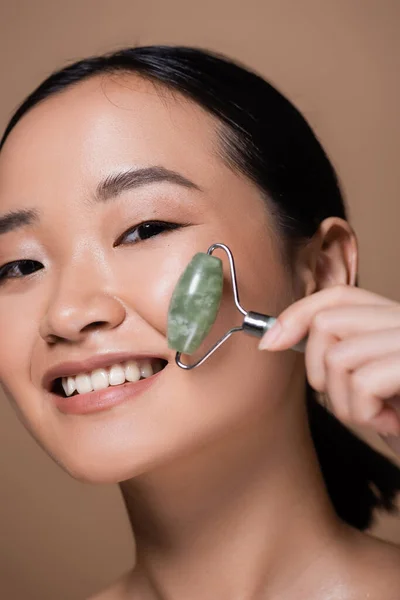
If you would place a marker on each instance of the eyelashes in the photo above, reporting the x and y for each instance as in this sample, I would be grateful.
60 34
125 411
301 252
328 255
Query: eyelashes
10 270
20 269
148 229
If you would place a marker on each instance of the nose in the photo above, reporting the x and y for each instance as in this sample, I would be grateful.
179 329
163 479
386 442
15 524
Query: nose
81 303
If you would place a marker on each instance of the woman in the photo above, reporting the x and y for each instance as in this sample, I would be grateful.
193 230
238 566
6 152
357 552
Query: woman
113 173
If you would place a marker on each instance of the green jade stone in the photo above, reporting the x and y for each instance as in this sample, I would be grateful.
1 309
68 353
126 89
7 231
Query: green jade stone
195 302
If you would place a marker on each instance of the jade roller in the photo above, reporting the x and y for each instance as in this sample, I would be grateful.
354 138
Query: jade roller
194 307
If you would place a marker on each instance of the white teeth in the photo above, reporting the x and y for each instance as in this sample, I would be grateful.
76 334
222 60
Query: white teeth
83 384
146 370
100 379
69 386
116 375
132 371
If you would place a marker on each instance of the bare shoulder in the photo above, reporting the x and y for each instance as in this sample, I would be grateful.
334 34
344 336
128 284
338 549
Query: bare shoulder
369 569
375 568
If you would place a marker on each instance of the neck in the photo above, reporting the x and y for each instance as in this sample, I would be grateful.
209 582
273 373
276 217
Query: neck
247 513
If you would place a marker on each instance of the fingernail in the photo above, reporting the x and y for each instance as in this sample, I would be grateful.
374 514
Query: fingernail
272 335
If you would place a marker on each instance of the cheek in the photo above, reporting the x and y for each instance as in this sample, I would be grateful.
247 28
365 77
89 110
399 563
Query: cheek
260 278
159 274
237 367
19 353
17 327
156 271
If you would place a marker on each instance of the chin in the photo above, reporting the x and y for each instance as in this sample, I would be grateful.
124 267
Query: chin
104 464
97 472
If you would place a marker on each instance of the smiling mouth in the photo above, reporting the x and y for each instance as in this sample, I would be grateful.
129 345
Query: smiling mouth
117 374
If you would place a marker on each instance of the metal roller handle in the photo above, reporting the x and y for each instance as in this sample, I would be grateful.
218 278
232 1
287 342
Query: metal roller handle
257 324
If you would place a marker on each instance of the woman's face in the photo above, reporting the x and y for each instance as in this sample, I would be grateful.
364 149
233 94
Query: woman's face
98 288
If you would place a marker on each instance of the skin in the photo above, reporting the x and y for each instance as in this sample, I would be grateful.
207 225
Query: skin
352 354
216 466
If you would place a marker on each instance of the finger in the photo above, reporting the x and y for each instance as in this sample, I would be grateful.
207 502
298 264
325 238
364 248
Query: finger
319 345
326 378
352 352
392 440
373 384
387 422
336 384
295 320
343 357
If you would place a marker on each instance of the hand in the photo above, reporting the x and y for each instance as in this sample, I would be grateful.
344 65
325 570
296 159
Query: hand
352 354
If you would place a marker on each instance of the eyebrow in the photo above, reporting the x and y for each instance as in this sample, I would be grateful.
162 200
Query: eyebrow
111 187
18 218
117 183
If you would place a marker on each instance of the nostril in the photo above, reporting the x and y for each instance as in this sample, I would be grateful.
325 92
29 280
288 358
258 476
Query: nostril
94 325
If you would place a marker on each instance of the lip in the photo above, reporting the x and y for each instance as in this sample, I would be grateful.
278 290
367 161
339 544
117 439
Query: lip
87 365
102 400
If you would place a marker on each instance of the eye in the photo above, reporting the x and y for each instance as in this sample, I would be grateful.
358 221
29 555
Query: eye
147 230
18 269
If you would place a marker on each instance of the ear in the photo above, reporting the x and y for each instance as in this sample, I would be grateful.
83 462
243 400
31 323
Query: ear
330 258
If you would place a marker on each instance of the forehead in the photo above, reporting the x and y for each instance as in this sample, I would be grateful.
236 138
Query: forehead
108 122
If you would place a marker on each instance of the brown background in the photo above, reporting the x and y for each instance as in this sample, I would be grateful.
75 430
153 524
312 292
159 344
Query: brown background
338 61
